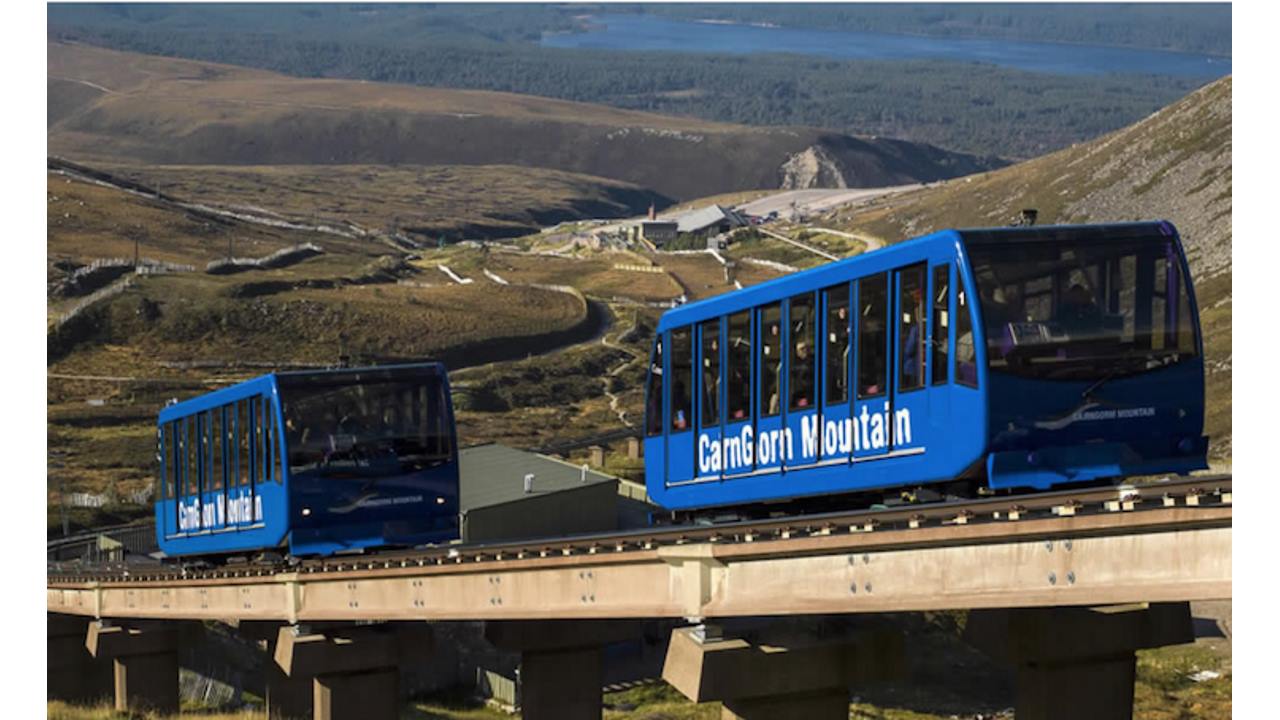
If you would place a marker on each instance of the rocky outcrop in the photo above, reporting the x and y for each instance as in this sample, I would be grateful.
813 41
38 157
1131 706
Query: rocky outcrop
812 167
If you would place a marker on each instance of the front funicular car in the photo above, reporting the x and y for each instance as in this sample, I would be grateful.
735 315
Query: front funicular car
372 457
1094 360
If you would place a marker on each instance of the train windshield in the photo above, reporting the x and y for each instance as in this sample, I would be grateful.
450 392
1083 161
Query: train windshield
366 423
1064 307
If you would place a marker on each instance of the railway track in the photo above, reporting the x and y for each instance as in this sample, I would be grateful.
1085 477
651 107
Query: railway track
1134 507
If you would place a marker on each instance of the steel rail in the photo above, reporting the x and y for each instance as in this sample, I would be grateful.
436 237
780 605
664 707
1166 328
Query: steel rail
1123 509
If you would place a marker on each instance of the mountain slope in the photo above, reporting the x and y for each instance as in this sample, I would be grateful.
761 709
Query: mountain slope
1174 165
163 111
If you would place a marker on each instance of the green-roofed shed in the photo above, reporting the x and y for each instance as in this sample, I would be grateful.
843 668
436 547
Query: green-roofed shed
501 502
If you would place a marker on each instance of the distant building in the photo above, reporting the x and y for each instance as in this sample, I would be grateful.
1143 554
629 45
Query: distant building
708 221
657 232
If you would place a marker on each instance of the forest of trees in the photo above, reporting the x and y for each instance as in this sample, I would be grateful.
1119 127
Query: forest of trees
967 107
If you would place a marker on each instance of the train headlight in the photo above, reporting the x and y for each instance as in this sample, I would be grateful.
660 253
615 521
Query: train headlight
306 512
1033 458
439 501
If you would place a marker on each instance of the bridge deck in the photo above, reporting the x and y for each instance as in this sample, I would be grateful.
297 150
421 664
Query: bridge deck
1148 544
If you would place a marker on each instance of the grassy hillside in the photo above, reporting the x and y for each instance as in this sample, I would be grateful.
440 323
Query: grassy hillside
88 221
116 361
163 111
1174 165
422 202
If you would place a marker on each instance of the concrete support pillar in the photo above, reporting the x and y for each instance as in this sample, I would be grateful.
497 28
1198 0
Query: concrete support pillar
561 668
353 671
73 674
370 694
561 683
1075 662
833 703
145 664
288 698
783 670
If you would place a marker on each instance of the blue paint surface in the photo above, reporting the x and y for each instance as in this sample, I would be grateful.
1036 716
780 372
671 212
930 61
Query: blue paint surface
1117 415
255 501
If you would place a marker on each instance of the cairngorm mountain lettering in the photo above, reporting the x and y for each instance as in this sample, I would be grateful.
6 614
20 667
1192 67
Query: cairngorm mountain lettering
743 449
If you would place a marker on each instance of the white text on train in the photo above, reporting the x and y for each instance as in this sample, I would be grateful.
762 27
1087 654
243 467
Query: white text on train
866 431
196 515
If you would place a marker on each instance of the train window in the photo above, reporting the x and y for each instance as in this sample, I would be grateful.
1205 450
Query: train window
270 453
941 324
873 316
912 330
179 457
158 488
681 379
653 403
263 421
1186 331
230 434
1122 297
836 300
335 424
167 469
193 454
801 382
439 442
710 372
229 445
770 358
1159 306
739 387
216 460
1082 308
966 360
252 456
242 442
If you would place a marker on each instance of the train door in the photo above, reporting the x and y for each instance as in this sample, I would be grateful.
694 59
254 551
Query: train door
870 422
655 445
680 423
835 440
801 408
738 448
710 400
769 435
909 406
171 480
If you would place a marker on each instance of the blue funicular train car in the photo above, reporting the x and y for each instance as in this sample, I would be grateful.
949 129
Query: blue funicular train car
1021 357
310 463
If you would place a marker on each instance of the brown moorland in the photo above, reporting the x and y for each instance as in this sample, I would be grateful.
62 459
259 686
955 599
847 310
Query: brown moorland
162 111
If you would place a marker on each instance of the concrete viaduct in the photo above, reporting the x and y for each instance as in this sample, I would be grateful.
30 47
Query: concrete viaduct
1064 587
